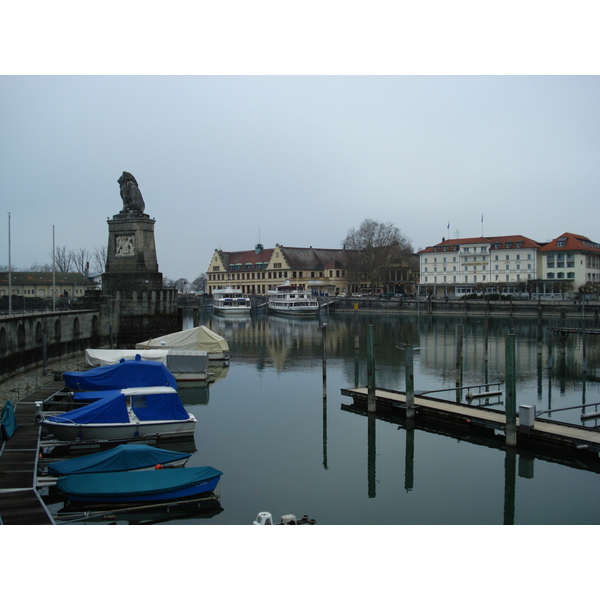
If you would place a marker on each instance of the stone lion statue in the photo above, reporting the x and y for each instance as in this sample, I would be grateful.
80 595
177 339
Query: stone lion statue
130 193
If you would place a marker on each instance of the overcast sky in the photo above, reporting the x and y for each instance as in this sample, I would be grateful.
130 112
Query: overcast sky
228 161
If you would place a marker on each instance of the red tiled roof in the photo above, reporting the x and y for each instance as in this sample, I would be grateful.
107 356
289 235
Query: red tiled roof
571 241
245 257
502 240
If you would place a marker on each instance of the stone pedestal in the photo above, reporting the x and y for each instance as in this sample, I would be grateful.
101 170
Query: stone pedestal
134 303
131 254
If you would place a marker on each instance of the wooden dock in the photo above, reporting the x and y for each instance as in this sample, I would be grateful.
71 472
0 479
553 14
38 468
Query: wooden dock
20 502
460 420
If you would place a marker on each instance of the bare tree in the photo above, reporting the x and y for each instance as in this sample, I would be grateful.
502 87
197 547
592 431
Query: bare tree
199 284
62 259
374 248
81 260
99 259
37 268
181 285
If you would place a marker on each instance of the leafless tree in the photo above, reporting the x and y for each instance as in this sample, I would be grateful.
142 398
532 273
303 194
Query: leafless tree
199 284
63 259
81 260
374 248
181 285
99 259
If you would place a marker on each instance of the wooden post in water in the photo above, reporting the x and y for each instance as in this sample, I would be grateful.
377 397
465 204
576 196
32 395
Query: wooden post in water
458 359
511 390
371 369
410 381
324 335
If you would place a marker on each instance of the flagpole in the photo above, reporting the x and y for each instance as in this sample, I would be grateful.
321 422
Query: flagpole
9 271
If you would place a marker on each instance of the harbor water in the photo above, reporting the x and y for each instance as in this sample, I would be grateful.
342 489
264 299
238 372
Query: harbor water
277 425
274 422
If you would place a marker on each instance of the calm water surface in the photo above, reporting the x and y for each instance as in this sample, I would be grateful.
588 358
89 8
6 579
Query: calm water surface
285 449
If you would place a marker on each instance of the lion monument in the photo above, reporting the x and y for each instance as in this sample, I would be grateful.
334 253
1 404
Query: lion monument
130 193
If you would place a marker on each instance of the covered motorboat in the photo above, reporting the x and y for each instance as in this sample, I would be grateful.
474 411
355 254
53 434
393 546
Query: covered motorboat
125 457
139 486
192 340
185 365
124 374
122 415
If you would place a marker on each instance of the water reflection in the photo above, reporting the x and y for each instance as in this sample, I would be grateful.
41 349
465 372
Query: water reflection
272 410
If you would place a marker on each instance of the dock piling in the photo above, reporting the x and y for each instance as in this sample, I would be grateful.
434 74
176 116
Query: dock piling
371 368
511 391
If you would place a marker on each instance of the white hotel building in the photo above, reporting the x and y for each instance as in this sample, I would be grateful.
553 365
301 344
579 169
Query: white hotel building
464 266
512 264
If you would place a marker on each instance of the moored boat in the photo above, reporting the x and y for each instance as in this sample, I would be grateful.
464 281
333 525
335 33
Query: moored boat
187 366
192 340
139 486
125 457
231 301
123 374
292 300
123 414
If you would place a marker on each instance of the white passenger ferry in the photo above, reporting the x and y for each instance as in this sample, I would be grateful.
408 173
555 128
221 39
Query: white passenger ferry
230 301
291 300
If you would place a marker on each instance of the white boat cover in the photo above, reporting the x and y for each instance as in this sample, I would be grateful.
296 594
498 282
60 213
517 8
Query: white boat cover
101 357
197 338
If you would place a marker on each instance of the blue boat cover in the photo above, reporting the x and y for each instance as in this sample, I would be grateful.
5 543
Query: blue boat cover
8 420
135 482
126 457
112 408
124 374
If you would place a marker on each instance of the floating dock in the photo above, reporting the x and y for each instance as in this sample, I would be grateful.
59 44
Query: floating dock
569 444
20 502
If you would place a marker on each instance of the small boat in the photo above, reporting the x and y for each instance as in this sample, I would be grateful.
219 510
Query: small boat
185 365
192 340
231 301
124 374
125 457
266 518
292 300
139 486
131 413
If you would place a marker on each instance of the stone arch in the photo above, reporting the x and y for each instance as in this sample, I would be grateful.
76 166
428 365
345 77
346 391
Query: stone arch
95 326
39 333
3 345
21 337
76 328
57 330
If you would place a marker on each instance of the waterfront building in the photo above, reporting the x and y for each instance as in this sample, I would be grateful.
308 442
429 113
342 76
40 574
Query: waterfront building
322 271
319 270
39 284
571 261
503 264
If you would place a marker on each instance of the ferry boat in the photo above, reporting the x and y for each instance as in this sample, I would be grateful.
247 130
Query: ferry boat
291 300
230 301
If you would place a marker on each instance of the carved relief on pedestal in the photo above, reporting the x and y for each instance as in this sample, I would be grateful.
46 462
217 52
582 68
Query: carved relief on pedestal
125 245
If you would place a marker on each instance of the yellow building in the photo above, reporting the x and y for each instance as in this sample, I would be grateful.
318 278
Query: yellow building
260 270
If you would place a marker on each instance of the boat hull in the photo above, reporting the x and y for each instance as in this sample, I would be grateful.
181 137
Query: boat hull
72 432
140 486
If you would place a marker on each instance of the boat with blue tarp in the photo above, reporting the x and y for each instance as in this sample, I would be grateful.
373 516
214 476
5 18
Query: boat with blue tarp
124 414
124 374
139 486
124 457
